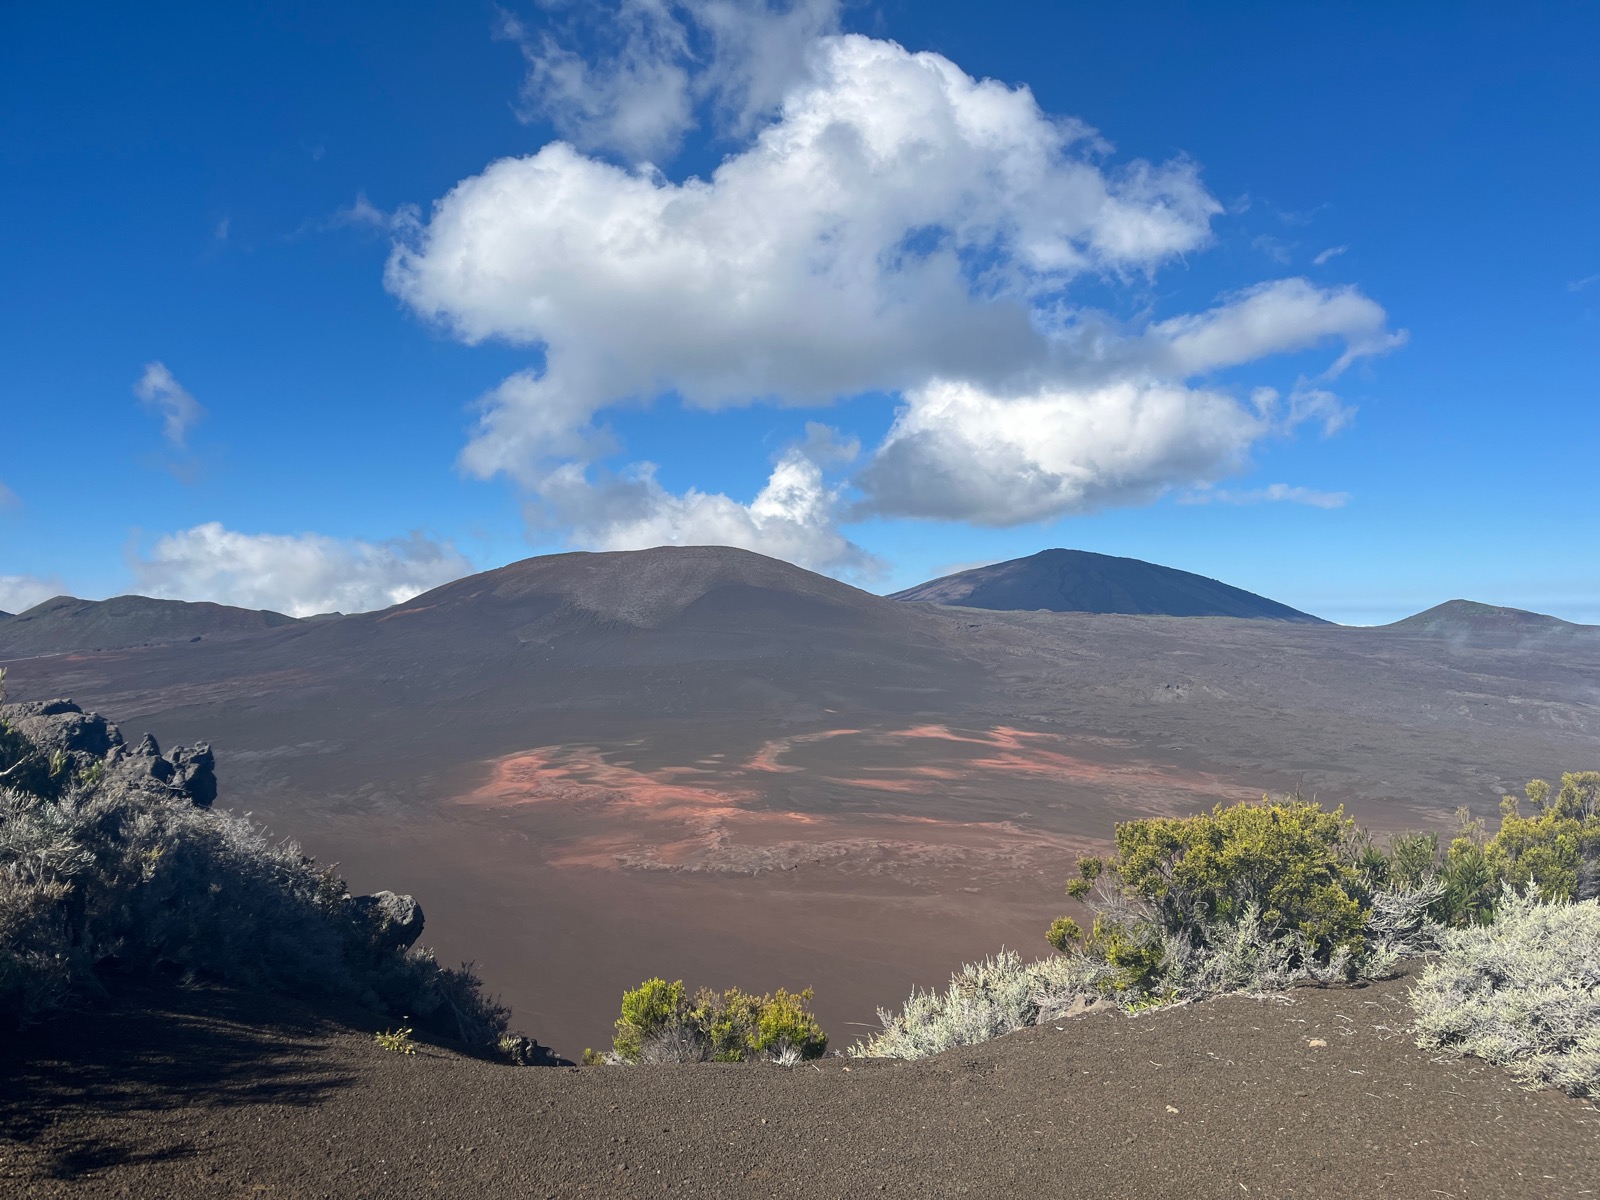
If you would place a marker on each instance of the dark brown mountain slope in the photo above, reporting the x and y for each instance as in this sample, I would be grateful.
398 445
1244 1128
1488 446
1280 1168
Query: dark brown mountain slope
691 603
702 631
1080 581
65 624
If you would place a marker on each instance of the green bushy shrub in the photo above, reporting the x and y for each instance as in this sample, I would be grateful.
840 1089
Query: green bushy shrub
1063 934
1247 895
660 1022
1469 877
1281 859
1413 858
1523 993
1556 851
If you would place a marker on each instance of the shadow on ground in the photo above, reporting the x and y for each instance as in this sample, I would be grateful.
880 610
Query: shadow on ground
155 1051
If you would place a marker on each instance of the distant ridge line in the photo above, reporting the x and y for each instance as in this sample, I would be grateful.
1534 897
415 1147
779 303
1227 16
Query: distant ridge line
66 624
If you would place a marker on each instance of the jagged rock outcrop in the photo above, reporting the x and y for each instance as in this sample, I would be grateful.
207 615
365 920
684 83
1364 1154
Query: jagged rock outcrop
396 920
61 726
64 735
194 773
189 771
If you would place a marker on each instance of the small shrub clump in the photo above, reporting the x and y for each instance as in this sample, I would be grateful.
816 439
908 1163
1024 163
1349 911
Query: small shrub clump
1280 861
661 1022
1523 993
397 1041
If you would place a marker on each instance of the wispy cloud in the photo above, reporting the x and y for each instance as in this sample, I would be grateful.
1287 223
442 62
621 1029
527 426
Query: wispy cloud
161 393
1312 404
8 498
18 593
1577 285
1302 217
1276 249
363 214
360 214
1276 493
1328 255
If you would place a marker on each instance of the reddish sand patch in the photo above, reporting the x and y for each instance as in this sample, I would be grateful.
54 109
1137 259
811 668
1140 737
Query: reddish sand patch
598 808
861 861
768 757
647 820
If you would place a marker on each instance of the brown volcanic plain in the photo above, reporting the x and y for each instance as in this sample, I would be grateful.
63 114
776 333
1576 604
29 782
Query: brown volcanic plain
706 764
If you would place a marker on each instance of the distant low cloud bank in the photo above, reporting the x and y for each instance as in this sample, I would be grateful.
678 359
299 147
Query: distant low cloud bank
299 574
1280 493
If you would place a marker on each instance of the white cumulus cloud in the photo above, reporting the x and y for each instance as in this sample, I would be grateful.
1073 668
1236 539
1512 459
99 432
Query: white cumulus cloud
959 452
891 226
162 394
298 574
888 224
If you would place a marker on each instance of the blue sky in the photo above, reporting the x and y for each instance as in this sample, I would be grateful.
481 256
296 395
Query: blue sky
314 306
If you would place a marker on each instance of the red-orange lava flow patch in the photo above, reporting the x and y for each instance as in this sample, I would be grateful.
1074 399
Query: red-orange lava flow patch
589 806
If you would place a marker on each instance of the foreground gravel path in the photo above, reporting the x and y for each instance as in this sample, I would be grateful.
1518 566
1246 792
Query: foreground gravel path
215 1094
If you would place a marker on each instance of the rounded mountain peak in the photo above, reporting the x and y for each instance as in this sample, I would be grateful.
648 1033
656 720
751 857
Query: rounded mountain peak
1472 616
645 588
1081 581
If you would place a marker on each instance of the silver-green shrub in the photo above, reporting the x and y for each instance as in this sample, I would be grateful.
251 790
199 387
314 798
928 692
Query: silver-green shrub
1246 955
102 868
1002 994
984 1000
1401 920
1523 993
